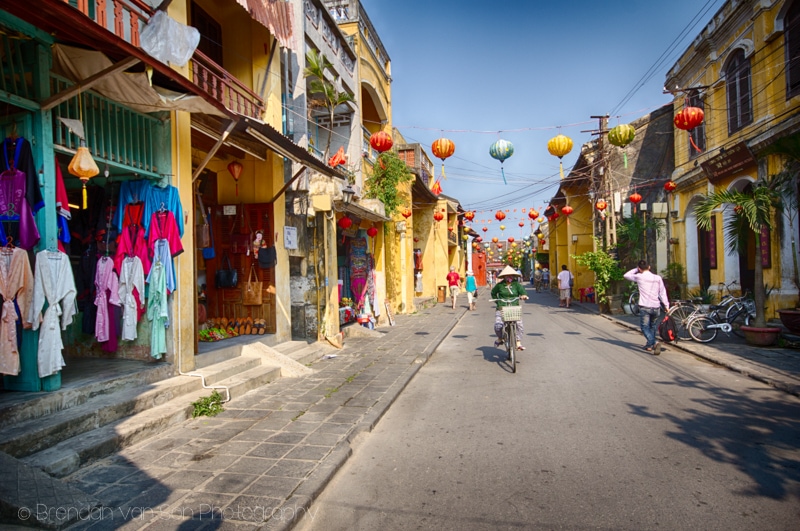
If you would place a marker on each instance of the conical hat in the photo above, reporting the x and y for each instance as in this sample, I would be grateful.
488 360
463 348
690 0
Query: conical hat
508 272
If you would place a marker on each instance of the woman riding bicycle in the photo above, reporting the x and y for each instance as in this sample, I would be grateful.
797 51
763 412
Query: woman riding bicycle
508 292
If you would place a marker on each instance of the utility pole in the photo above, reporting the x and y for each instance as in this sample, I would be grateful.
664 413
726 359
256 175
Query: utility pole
602 187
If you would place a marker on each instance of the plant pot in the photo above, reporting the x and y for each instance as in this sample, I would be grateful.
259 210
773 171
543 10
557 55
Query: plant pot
791 320
762 337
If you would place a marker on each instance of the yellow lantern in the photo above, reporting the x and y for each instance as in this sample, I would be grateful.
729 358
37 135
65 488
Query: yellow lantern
558 146
84 168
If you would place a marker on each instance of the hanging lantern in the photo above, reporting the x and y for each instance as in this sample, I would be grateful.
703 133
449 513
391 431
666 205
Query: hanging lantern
567 210
558 146
670 186
523 210
499 215
436 189
494 240
521 224
84 168
510 239
450 229
469 215
235 169
438 216
533 214
635 198
499 245
601 205
474 245
621 136
687 119
406 213
513 244
501 150
479 239
443 148
339 158
344 222
540 219
372 232
502 227
380 141
485 229
465 237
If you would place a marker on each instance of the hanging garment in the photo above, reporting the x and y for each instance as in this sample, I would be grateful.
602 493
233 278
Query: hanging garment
130 192
16 287
107 285
17 154
84 282
132 243
14 207
163 226
162 254
62 200
52 283
166 198
131 281
157 311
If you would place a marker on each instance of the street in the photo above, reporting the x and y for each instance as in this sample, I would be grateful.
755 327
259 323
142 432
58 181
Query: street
591 432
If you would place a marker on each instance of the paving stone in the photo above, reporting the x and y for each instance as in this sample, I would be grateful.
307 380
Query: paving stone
210 461
292 468
308 452
229 483
251 465
286 437
275 451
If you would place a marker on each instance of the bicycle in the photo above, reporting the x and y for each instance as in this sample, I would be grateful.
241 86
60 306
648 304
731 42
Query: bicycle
704 328
682 311
633 300
510 315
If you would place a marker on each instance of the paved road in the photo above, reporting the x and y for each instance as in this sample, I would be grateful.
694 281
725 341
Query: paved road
590 433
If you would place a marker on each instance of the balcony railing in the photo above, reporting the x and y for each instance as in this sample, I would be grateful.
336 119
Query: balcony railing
225 88
125 18
366 147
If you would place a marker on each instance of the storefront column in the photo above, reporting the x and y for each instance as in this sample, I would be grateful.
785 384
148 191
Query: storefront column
331 328
184 299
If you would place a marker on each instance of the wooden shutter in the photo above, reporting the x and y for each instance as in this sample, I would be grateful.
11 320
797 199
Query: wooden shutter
792 44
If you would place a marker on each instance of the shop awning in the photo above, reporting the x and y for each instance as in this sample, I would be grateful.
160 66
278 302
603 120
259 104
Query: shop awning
275 15
360 212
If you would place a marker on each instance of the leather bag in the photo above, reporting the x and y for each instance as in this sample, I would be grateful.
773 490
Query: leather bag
252 294
226 276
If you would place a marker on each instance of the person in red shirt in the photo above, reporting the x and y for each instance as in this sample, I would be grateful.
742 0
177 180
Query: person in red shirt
453 281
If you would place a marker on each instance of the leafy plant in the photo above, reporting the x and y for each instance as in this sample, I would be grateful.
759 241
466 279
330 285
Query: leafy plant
387 176
209 406
702 293
605 269
632 235
322 91
674 280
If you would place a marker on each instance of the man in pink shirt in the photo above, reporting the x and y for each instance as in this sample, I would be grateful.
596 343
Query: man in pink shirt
652 295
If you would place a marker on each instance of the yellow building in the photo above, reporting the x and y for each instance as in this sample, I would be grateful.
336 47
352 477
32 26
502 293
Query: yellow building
743 70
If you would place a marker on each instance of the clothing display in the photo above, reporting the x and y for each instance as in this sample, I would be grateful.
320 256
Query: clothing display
15 208
16 287
157 310
17 154
131 284
107 286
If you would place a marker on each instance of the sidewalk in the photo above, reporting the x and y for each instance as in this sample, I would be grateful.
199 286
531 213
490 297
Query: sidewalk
271 452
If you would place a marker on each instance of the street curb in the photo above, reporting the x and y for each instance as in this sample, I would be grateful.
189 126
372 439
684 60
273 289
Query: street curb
747 371
301 499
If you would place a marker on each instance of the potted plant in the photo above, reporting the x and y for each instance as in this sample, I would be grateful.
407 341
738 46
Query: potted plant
674 280
752 211
705 297
605 270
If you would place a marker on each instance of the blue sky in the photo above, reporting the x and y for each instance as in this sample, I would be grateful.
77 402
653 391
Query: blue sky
466 69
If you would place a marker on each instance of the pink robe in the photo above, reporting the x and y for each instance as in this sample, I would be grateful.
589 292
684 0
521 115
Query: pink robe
16 283
107 285
131 243
164 227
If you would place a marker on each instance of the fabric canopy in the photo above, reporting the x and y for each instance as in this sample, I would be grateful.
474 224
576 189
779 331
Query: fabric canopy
275 15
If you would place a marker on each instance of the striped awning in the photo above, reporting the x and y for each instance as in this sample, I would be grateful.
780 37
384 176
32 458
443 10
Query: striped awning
275 15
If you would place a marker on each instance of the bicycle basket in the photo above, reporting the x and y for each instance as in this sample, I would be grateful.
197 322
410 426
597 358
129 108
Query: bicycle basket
511 313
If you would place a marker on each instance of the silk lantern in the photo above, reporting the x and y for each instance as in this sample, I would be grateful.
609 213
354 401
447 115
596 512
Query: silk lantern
558 146
601 205
443 148
499 215
567 210
380 141
621 136
521 224
670 186
635 198
235 169
502 227
501 150
510 239
494 240
485 229
84 168
687 119
406 213
438 216
533 214
344 222
469 215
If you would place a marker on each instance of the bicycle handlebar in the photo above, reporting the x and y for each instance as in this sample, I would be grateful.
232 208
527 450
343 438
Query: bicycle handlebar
505 300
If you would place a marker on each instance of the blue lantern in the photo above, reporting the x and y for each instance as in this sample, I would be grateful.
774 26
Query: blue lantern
501 150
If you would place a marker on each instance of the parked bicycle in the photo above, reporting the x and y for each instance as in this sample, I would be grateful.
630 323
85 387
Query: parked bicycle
633 300
704 328
510 315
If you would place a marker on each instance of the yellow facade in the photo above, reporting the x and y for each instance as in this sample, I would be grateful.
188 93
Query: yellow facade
738 148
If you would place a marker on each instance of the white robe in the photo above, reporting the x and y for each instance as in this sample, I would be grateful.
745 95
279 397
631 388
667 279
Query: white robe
54 283
16 283
131 276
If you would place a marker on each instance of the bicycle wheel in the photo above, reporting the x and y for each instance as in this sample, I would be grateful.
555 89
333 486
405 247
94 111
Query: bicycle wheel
681 313
512 345
633 300
698 329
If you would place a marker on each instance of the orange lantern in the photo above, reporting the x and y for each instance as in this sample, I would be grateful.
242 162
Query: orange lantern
438 216
494 240
443 148
670 186
635 198
499 215
406 213
380 141
469 215
235 168
601 205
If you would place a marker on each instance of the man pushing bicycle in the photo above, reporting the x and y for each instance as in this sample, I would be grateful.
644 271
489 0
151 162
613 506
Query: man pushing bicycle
508 292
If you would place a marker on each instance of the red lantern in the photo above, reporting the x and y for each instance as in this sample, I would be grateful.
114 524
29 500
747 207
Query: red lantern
345 222
601 205
235 168
635 198
469 215
521 223
689 118
479 239
510 239
499 245
406 213
499 216
438 216
372 232
494 240
380 141
533 214
485 229
670 186
567 210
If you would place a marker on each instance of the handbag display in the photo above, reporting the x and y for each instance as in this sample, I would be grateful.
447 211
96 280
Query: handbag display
226 276
252 294
239 243
205 240
209 252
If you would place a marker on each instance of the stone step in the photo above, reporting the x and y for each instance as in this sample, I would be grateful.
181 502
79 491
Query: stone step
69 455
225 369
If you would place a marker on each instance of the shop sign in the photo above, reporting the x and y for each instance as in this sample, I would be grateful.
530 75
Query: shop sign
290 237
766 250
728 162
228 210
712 244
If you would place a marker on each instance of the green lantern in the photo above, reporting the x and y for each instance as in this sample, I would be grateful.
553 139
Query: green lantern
621 136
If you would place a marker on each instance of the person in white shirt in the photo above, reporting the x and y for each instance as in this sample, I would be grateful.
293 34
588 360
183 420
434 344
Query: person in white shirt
652 295
564 287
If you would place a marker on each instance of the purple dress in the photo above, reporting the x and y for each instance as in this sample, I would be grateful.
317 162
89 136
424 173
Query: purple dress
14 207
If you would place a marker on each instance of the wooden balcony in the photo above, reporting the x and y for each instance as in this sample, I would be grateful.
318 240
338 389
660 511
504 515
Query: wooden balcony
225 88
124 18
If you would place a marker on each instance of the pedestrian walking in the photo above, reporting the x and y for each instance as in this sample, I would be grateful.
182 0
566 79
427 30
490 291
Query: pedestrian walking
537 279
652 295
454 282
565 282
546 278
472 290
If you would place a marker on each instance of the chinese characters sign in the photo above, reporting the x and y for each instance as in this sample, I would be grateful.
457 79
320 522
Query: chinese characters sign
728 162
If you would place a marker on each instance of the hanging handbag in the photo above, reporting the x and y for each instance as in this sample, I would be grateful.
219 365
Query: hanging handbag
226 276
203 230
209 252
240 243
252 294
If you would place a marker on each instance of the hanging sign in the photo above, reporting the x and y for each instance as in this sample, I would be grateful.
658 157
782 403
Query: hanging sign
728 162
766 251
712 244
290 237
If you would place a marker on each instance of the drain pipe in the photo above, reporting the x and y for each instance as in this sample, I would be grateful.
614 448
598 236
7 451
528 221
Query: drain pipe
178 274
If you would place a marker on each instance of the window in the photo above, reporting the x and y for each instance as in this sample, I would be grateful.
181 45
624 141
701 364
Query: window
698 134
737 83
210 34
792 44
